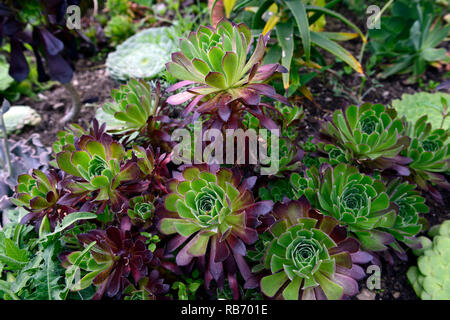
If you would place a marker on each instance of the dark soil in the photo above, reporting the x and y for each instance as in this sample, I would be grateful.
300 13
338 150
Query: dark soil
94 85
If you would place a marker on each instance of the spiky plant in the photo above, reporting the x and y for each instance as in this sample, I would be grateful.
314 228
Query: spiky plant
99 166
430 155
358 201
225 83
114 255
370 134
140 113
310 256
214 216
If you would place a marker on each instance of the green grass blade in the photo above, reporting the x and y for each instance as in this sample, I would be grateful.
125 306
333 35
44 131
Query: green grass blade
337 50
285 35
298 10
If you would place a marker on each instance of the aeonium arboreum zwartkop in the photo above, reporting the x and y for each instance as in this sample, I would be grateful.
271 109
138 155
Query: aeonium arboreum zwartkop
39 193
98 164
113 256
308 256
225 83
214 216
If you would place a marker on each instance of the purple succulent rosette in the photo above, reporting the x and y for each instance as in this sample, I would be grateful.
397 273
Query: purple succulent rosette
213 61
309 256
213 216
99 165
113 255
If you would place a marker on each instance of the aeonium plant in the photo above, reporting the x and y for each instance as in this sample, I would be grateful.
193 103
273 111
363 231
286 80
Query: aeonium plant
359 202
370 135
409 222
140 113
430 156
113 256
213 215
224 83
39 193
308 256
98 165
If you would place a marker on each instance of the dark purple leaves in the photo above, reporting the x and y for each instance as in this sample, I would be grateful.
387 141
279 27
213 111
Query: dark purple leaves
18 68
59 68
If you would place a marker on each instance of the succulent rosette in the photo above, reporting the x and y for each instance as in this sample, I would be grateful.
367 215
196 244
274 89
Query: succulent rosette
99 165
370 134
224 82
39 193
139 113
410 205
358 201
409 220
430 155
148 288
114 257
152 165
214 216
310 256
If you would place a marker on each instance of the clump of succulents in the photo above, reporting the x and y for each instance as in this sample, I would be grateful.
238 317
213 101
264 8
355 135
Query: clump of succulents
358 201
310 256
224 83
370 134
430 155
99 165
430 278
213 216
139 113
39 193
114 255
408 223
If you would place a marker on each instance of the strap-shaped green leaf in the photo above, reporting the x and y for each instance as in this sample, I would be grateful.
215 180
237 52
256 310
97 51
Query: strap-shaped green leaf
286 39
299 12
337 50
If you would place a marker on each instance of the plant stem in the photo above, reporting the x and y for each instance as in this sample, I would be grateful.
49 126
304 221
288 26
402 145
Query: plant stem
6 143
76 103
378 17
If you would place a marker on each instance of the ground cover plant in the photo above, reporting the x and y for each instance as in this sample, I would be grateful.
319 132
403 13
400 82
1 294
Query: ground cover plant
159 190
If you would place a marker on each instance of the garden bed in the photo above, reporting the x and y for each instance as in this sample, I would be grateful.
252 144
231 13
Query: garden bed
330 90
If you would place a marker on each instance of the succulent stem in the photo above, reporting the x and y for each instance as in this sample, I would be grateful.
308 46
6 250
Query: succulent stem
76 103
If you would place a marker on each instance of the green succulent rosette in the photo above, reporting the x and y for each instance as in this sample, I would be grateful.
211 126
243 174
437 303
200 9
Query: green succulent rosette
369 134
358 201
214 216
409 221
429 153
309 256
137 113
430 278
222 80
